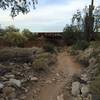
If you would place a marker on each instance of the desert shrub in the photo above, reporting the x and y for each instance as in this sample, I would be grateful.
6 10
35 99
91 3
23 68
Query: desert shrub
72 51
84 56
81 45
48 47
15 39
22 55
97 72
43 61
98 36
40 64
95 85
29 35
96 52
95 44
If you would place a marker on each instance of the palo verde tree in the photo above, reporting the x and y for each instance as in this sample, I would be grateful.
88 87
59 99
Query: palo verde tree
77 20
17 6
90 22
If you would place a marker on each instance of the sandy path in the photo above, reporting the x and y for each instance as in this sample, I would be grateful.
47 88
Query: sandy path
66 67
54 82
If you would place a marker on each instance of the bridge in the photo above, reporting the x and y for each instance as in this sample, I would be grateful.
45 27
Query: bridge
52 35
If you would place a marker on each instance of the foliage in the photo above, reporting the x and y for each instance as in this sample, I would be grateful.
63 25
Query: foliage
11 28
18 55
43 61
14 38
29 35
17 6
48 47
97 36
81 45
2 32
95 86
78 20
71 34
97 19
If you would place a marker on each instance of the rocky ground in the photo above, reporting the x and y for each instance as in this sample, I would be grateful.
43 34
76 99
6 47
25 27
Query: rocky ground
22 81
87 86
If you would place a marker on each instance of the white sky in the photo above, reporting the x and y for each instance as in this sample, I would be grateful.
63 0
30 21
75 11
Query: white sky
48 16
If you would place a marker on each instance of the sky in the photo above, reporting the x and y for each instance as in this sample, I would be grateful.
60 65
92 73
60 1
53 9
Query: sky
49 15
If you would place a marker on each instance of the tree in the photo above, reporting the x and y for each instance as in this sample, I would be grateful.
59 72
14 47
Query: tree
17 6
71 34
14 38
29 35
11 28
97 19
77 20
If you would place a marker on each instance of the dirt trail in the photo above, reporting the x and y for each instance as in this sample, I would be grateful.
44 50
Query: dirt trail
56 81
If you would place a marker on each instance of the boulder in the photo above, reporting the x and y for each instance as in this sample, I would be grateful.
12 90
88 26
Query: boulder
75 88
85 90
15 82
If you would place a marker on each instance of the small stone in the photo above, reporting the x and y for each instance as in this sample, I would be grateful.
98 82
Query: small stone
10 76
34 79
48 82
23 97
1 85
84 77
60 97
26 90
57 74
11 64
53 79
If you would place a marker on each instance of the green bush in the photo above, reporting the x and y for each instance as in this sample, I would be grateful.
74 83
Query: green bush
95 86
81 45
48 47
29 35
98 36
43 61
15 39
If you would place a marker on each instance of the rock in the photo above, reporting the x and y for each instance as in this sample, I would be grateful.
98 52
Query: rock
48 82
23 97
60 97
84 77
1 85
34 79
15 82
84 90
57 74
11 64
75 88
10 76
